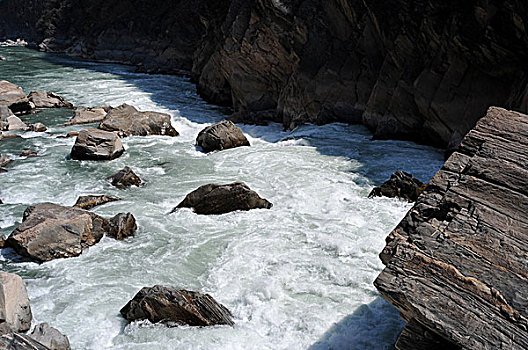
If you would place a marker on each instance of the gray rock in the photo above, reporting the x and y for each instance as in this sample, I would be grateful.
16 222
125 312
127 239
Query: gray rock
456 264
94 144
89 202
84 115
220 199
50 337
37 127
400 185
121 226
220 136
15 311
5 113
128 121
50 99
125 178
17 341
173 307
13 97
15 123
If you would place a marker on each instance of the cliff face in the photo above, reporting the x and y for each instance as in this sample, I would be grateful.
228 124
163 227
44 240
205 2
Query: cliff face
456 264
420 70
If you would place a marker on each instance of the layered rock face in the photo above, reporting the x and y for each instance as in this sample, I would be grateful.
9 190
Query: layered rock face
423 70
456 264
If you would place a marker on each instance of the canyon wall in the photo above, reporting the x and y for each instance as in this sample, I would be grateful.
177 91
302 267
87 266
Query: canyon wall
419 70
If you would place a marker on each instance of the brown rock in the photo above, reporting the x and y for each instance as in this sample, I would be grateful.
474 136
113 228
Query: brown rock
13 97
94 144
125 178
27 152
89 202
456 264
121 226
176 307
220 136
401 185
48 100
4 160
15 310
220 199
128 121
84 115
68 135
38 127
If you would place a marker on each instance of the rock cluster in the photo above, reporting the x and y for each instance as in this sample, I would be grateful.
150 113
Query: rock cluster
94 144
400 185
455 266
220 136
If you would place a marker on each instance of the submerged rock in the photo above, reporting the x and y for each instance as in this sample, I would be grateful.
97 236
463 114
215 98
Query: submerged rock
48 99
125 178
222 135
84 115
15 311
121 226
28 152
4 160
2 58
14 97
220 199
50 337
50 231
176 307
89 202
94 144
128 121
400 185
17 341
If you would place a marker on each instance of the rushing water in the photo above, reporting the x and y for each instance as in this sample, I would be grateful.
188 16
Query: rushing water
297 276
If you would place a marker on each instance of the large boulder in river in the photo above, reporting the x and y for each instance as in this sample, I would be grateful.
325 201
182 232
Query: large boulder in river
15 311
220 199
128 121
400 185
94 144
41 99
176 307
125 178
121 226
222 135
84 115
50 231
13 97
89 202
50 337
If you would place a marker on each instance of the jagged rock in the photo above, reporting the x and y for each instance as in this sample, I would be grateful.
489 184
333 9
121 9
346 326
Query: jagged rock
89 202
128 121
17 341
50 231
176 307
456 264
220 199
15 123
37 127
28 152
4 160
94 144
401 185
48 99
15 311
13 97
220 136
50 337
84 115
125 178
121 226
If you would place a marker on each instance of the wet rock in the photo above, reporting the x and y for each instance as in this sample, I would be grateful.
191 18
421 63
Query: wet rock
89 202
456 264
121 226
220 136
2 170
17 341
50 337
94 144
4 160
220 199
28 152
15 310
37 127
2 58
176 307
68 135
49 99
400 185
1 203
84 115
128 121
125 178
13 97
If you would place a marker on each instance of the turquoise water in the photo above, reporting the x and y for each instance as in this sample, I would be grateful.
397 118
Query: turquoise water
297 276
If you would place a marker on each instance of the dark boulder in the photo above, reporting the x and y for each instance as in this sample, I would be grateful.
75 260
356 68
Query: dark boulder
121 226
400 185
125 178
84 115
89 202
50 337
14 97
15 311
18 341
94 144
222 135
220 199
128 121
49 99
176 307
